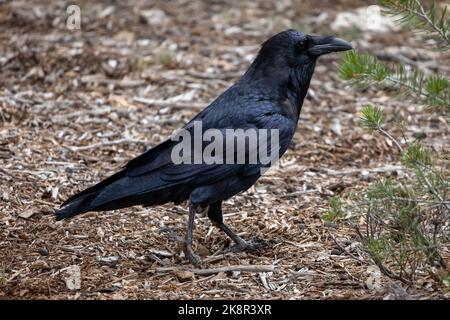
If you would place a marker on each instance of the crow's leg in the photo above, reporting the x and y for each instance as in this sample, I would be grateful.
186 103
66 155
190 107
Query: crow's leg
215 215
188 251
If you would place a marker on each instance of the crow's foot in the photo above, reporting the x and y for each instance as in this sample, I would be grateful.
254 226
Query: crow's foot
192 256
252 245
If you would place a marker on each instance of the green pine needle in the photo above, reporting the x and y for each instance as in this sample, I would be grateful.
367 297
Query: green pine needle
364 70
414 154
413 13
371 117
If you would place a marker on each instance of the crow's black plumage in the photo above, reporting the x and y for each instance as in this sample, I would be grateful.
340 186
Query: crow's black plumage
268 96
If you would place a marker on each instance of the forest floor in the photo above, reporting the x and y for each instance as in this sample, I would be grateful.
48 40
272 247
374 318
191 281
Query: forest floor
71 113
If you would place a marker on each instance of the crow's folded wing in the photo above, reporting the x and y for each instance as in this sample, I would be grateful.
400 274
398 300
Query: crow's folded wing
159 159
155 170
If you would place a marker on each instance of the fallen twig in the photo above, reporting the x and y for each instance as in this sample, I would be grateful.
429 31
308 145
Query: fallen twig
356 171
400 199
106 143
213 76
298 193
346 251
165 103
124 83
241 268
76 114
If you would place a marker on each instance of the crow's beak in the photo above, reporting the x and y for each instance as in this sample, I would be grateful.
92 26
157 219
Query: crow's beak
326 44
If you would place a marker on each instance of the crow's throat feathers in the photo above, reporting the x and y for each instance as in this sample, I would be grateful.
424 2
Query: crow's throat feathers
298 85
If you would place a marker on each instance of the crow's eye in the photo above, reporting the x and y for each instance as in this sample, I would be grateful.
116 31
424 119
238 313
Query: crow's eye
301 44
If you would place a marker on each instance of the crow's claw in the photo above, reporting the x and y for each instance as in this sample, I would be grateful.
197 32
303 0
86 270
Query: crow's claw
252 245
192 257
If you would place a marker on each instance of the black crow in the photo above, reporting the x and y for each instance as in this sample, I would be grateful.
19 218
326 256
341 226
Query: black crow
268 96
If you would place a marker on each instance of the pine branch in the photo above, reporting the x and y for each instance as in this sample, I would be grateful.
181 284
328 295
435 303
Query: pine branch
414 13
400 199
372 119
403 226
390 137
365 70
414 156
441 28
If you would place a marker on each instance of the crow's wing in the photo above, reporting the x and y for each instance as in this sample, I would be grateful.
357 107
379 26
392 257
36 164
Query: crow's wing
159 158
155 170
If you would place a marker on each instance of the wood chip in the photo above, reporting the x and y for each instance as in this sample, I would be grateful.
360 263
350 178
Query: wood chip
184 275
28 213
73 278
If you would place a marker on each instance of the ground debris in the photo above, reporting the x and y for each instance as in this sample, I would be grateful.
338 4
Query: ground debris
73 277
76 106
184 275
28 213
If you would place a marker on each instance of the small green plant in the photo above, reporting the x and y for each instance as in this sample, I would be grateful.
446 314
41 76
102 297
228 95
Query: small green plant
405 221
2 276
167 59
335 211
446 281
140 63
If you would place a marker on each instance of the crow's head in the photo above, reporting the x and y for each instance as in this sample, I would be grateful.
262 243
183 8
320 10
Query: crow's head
285 64
292 48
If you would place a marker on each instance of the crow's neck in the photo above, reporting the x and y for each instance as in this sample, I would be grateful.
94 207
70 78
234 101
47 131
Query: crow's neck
276 84
298 85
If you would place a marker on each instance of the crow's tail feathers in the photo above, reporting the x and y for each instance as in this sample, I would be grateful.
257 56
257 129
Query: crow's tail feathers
78 206
120 191
82 202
